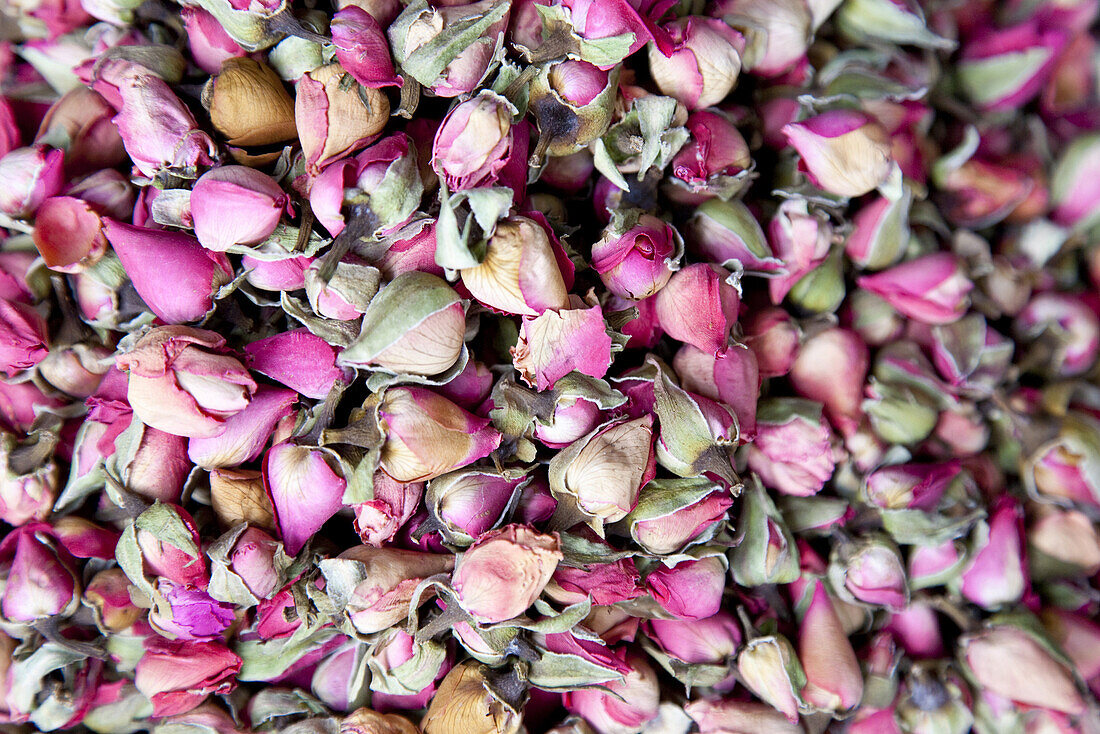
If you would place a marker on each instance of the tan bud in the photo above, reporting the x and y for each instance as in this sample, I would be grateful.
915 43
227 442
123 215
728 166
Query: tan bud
366 721
249 105
238 496
464 703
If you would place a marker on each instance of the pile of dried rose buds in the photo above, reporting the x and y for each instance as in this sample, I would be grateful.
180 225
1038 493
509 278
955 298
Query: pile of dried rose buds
569 366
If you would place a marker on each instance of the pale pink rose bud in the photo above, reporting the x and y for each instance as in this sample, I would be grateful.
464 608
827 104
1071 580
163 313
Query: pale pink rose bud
801 239
520 273
871 573
792 451
502 574
619 707
253 559
917 630
770 669
162 558
158 468
1072 323
82 119
667 533
427 435
727 715
690 589
708 166
844 152
774 338
556 343
208 42
573 418
964 431
23 337
305 489
1078 636
703 64
469 502
699 306
573 102
604 472
302 361
785 27
108 594
246 433
332 118
192 613
731 377
911 486
345 294
1074 191
931 289
236 205
721 231
834 681
30 176
1009 662
361 47
410 247
277 275
334 679
28 495
158 131
404 665
830 369
636 255
178 675
390 576
68 233
41 579
475 142
147 254
1063 541
712 640
1004 69
414 325
996 574
394 503
180 383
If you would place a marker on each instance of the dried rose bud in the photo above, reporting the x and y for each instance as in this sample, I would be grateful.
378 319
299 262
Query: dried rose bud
502 574
305 490
690 589
699 306
253 560
622 706
674 512
703 63
302 361
730 715
710 164
603 583
23 337
910 486
786 27
246 433
830 368
362 49
333 119
770 669
636 255
721 231
208 42
767 553
801 239
713 640
365 721
996 574
470 502
880 232
69 234
1078 636
181 386
30 176
932 289
1063 542
1070 322
155 464
870 572
834 681
477 142
390 576
845 152
41 579
191 613
465 702
27 492
404 672
178 675
1073 188
235 205
249 105
1004 69
573 103
108 594
1011 663
238 496
169 544
792 451
773 337
82 118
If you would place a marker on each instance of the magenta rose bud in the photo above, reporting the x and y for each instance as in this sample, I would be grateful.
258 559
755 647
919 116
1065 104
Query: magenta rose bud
467 503
801 240
721 231
603 583
834 681
277 275
147 254
29 176
637 255
68 233
830 369
305 489
208 42
1073 323
41 576
180 383
618 707
699 306
708 165
23 337
253 559
689 590
502 574
712 640
1004 69
192 613
792 452
178 675
844 152
1074 190
996 574
247 432
475 142
931 289
299 359
183 563
235 205
362 49
703 63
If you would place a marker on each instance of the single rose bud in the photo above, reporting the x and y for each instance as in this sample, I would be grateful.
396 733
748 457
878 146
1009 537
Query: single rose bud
249 105
619 706
297 358
235 205
880 232
730 715
520 273
427 435
636 255
731 376
390 576
179 382
502 574
178 675
792 452
931 289
1078 636
107 192
82 118
699 306
916 630
108 594
871 573
573 103
1063 542
394 503
334 119
477 142
414 325
1073 190
27 492
410 247
974 370
674 512
786 28
710 164
470 502
1027 50
30 176
209 44
713 640
237 496
536 504
1011 663
405 673
721 231
801 239
602 583
346 291
703 63
767 553
844 152
604 471
197 273
573 417
996 574
253 559
23 337
276 275
774 338
465 702
690 589
191 613
770 669
830 369
69 234
170 547
1067 320
911 486
246 433
365 721
305 489
155 466
834 681
362 49
41 578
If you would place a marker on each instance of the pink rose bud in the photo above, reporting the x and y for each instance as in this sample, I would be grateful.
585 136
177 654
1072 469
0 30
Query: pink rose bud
623 706
345 292
427 435
197 273
502 574
730 715
253 559
520 273
699 306
192 613
181 384
801 239
362 49
834 681
681 523
911 486
1004 69
843 151
399 665
603 583
305 489
469 502
332 118
208 42
721 231
68 233
731 376
235 205
713 640
158 131
708 166
880 232
1009 662
636 255
931 289
183 563
770 669
917 630
23 337
178 675
157 467
703 63
108 192
302 361
996 574
773 337
786 28
108 595
26 493
1074 191
390 576
246 433
83 119
476 142
9 131
334 679
378 520
20 403
792 452
410 247
556 343
41 576
1068 321
277 275
572 419
595 21
870 572
568 173
830 369
29 176
1078 636
690 589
